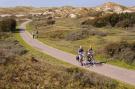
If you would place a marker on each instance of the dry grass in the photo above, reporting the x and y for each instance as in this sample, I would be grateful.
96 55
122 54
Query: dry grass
98 42
44 72
36 72
25 73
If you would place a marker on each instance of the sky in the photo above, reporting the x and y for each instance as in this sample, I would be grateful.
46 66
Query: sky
55 3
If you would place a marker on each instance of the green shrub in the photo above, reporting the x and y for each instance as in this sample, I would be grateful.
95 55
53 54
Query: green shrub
87 22
100 23
7 25
77 35
50 22
6 56
9 50
123 51
113 19
25 73
58 34
97 22
81 34
125 23
118 20
90 80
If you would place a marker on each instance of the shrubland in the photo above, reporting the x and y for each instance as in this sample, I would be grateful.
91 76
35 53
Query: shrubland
114 20
22 67
25 73
7 25
71 33
85 33
124 51
10 49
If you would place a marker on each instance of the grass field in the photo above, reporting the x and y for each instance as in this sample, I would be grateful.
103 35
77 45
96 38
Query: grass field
97 42
66 71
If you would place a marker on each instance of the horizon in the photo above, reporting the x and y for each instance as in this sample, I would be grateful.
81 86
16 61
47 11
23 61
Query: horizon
60 3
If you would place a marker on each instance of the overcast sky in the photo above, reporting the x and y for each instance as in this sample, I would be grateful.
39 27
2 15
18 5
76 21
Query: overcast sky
48 3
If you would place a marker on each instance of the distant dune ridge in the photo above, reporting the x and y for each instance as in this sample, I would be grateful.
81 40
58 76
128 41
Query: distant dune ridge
109 7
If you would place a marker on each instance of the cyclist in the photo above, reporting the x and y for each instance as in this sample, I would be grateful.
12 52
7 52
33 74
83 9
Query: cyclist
90 55
81 54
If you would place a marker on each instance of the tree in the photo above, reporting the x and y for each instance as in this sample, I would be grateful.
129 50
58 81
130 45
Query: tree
7 25
50 21
114 19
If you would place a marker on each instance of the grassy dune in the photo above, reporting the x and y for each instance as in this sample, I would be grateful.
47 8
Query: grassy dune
51 37
51 73
35 70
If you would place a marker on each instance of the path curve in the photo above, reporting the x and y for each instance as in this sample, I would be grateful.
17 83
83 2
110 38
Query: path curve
121 74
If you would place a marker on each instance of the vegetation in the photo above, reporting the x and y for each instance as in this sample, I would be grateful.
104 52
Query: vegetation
50 21
114 20
24 67
69 33
22 73
58 34
7 25
9 50
9 47
123 51
60 74
81 34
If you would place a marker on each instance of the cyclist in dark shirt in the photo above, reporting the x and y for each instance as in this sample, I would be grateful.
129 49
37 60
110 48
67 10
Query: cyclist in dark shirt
80 55
80 51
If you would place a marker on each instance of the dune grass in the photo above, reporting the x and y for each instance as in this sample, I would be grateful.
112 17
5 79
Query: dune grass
97 42
72 48
64 70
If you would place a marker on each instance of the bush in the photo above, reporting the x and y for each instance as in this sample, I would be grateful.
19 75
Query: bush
7 25
9 50
50 22
90 80
125 23
77 35
58 34
118 20
81 34
124 51
43 75
5 55
113 19
97 22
